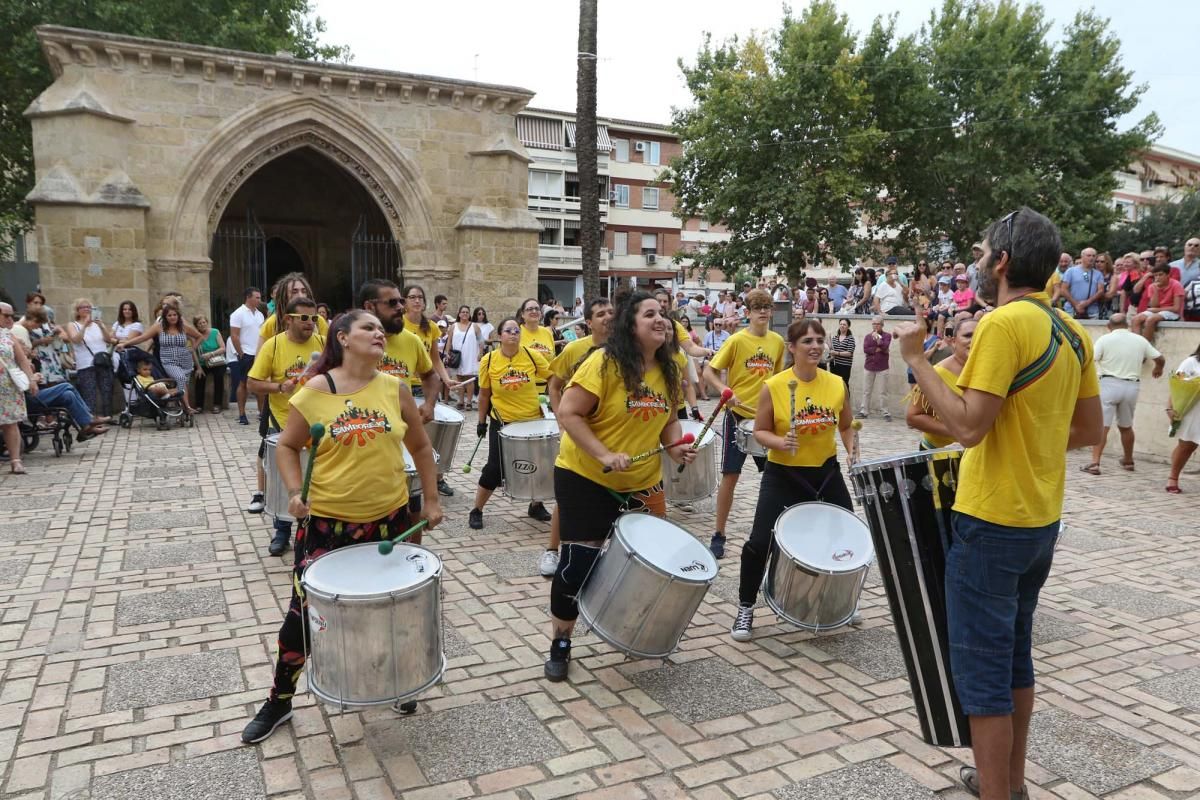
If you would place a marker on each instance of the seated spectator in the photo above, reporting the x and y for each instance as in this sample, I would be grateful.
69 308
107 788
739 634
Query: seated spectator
159 389
66 396
964 297
1164 302
46 339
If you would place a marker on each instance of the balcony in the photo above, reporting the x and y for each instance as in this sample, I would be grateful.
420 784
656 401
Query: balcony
563 205
567 255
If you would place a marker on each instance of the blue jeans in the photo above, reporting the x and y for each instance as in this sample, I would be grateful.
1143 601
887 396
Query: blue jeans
64 395
283 529
994 574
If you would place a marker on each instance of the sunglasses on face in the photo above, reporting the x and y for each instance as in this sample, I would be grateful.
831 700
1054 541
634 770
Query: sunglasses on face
304 317
530 308
511 331
391 302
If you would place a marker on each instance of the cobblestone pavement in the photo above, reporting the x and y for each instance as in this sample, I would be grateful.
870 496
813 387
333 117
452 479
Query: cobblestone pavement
138 613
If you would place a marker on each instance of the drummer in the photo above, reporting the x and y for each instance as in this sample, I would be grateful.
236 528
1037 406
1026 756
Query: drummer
359 492
618 404
508 378
429 334
279 367
751 356
407 356
920 414
534 335
802 464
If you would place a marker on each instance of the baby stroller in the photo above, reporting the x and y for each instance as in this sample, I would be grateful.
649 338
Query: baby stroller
139 402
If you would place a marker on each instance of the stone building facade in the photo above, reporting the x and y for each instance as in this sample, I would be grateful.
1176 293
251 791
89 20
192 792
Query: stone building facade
150 154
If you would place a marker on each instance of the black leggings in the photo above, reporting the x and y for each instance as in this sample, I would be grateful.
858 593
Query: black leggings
780 488
842 371
492 474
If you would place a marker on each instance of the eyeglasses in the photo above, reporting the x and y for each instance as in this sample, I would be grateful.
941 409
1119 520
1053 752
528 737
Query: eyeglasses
761 308
391 302
511 330
304 317
1146 258
527 309
420 297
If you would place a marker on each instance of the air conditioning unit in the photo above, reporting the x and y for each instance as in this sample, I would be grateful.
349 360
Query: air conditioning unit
651 258
639 147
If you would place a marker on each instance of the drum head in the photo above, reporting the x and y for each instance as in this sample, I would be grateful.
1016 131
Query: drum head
531 429
824 537
410 466
360 570
445 413
667 547
694 428
917 457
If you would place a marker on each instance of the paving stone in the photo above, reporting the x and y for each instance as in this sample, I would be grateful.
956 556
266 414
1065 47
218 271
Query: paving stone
18 502
1161 527
873 651
1182 688
1049 628
157 681
150 494
157 472
23 531
1090 755
725 587
12 570
454 643
234 775
870 780
171 605
467 741
1134 601
176 554
703 690
1087 542
509 564
167 520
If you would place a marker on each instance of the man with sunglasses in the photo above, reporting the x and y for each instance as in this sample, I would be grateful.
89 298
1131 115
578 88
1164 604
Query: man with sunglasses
405 354
1083 286
1029 394
278 371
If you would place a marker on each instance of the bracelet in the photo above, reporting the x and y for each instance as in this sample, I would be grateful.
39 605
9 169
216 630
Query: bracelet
293 493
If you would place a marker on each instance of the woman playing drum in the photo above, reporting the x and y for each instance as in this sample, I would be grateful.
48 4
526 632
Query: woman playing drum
797 425
508 378
359 492
618 404
920 414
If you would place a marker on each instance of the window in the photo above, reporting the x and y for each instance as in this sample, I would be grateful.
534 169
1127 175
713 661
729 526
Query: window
650 198
649 244
621 149
651 155
703 225
545 184
571 235
620 195
572 186
620 243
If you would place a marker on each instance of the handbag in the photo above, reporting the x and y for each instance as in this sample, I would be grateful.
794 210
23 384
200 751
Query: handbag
18 376
213 358
453 358
103 359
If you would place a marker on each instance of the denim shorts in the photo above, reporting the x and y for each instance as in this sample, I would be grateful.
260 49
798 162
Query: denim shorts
994 574
732 456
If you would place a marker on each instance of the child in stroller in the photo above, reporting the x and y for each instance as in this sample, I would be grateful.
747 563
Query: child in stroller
149 393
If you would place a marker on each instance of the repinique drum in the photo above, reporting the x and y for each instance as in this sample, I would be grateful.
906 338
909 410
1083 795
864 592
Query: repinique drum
907 500
746 442
646 585
527 451
443 431
820 554
374 624
698 479
275 499
410 471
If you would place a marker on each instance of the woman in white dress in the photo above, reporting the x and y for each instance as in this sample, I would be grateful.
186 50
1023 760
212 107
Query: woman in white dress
467 339
1189 424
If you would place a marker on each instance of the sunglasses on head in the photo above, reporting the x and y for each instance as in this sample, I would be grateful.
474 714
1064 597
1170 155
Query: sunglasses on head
304 317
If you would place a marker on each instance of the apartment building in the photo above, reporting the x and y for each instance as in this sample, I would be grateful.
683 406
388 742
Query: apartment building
1161 173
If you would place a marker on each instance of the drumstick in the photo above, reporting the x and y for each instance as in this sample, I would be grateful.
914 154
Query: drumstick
386 545
686 439
792 384
855 453
725 395
312 360
467 466
317 432
545 403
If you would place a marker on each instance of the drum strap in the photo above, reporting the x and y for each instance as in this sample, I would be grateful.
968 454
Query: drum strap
1059 331
795 477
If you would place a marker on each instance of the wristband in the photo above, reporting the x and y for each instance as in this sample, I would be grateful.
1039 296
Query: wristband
293 493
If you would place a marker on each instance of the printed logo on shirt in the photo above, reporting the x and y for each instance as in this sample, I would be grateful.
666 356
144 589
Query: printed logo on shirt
760 364
390 366
814 419
646 403
294 370
539 347
358 426
513 379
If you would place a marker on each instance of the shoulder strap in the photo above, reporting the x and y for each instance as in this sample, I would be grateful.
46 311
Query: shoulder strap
1059 331
329 380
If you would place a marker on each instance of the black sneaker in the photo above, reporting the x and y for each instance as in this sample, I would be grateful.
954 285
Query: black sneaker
405 709
717 545
539 512
444 488
257 504
242 420
272 714
475 519
279 543
560 657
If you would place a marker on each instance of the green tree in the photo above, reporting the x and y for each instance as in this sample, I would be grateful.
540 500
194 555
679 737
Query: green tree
1169 223
259 26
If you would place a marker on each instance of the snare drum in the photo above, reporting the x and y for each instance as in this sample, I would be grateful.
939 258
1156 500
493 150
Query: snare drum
275 499
820 554
374 624
744 436
410 472
698 479
443 431
646 585
527 453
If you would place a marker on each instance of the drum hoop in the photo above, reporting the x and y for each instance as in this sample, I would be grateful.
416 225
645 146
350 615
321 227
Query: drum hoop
915 457
321 593
617 533
810 567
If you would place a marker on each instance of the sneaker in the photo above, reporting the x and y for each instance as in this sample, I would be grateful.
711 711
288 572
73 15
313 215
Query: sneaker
686 508
279 543
743 624
548 563
272 714
887 417
856 619
860 415
242 420
257 504
406 708
559 660
539 512
475 519
444 488
970 780
717 545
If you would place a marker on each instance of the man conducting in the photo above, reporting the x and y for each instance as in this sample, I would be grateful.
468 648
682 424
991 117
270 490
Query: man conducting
1030 393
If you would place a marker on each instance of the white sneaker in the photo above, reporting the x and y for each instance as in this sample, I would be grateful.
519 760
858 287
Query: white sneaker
256 504
548 563
743 624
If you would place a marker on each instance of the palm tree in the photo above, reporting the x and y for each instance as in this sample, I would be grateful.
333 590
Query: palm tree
585 150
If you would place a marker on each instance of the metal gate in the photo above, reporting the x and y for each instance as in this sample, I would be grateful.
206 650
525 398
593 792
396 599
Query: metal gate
373 255
239 258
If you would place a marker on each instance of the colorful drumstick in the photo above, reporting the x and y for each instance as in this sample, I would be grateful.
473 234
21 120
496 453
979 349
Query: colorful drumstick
312 362
792 384
467 466
855 453
725 396
687 438
316 432
385 547
545 402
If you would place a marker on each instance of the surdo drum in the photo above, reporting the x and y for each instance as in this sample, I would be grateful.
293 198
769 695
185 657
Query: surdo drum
527 453
275 500
410 472
374 624
746 442
443 431
698 479
646 585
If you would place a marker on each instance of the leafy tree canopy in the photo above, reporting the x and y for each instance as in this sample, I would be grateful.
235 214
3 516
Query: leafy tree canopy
1170 224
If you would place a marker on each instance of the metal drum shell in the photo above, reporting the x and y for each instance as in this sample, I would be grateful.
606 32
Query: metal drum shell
410 472
528 461
378 648
744 435
698 479
443 431
275 498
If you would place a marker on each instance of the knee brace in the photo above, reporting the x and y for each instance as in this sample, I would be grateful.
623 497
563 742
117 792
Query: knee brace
574 564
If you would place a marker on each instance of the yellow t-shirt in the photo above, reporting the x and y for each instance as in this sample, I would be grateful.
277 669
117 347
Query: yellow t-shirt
406 357
626 422
280 359
566 362
540 341
514 383
359 472
269 328
144 380
681 333
1054 280
819 403
750 360
932 440
1015 475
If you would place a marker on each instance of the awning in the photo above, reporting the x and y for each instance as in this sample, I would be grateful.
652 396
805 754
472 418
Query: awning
651 274
539 132
603 143
548 224
571 224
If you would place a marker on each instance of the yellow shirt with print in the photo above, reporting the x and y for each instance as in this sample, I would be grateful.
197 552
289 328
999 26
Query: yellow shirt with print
627 422
1015 476
406 357
270 327
819 402
280 359
514 383
750 360
359 472
932 440
539 341
566 362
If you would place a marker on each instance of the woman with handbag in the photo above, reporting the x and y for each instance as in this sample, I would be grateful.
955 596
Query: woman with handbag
466 341
174 340
210 357
93 361
17 378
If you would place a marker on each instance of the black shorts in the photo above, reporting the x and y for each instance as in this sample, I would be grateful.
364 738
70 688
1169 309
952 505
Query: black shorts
587 510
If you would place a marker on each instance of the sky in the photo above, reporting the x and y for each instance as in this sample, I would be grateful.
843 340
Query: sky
533 43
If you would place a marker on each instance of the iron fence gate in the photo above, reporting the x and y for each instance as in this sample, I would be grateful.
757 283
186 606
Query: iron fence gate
239 258
373 255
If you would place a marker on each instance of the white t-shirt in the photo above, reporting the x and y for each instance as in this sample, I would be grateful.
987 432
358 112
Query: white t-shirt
93 337
1120 353
246 323
123 332
889 296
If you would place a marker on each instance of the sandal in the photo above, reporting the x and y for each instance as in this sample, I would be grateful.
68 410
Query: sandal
1126 465
1173 486
1091 469
970 781
16 467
